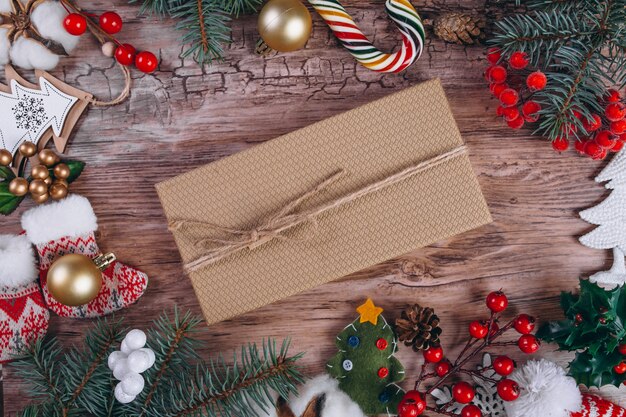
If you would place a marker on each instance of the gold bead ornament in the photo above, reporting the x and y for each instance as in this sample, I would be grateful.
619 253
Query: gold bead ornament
18 186
75 280
58 191
40 198
5 158
284 26
37 187
40 172
48 157
62 171
28 149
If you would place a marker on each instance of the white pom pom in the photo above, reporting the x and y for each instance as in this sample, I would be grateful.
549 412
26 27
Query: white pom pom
546 391
48 19
121 369
135 339
121 396
125 348
132 384
5 46
114 357
139 361
150 353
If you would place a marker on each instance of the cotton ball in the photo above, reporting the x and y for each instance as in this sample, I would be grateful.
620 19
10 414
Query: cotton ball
139 361
546 391
132 384
5 46
135 339
28 54
48 19
121 396
114 357
121 369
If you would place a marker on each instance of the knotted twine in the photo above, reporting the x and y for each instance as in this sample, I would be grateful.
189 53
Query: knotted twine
288 217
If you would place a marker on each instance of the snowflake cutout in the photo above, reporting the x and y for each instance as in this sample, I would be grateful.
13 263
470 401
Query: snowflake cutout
30 113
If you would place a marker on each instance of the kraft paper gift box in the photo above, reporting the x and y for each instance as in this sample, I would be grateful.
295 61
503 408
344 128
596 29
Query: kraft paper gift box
222 203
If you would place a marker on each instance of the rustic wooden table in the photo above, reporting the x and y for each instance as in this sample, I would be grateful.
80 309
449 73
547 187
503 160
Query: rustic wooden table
183 116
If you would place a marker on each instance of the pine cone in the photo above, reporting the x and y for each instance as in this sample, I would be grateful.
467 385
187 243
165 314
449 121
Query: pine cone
418 327
459 28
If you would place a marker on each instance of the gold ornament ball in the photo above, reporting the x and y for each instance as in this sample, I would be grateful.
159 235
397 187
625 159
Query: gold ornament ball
62 171
74 280
18 186
41 198
48 157
28 149
62 182
37 187
5 157
58 191
48 181
285 25
40 171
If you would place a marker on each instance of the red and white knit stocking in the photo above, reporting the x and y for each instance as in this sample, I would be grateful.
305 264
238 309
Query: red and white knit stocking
594 406
66 227
23 313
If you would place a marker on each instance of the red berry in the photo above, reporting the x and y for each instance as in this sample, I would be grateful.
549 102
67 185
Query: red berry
577 114
528 344
110 22
471 410
618 127
509 97
383 373
536 81
530 110
411 405
620 368
560 144
592 125
433 354
524 324
478 329
493 55
496 301
146 62
579 318
497 89
125 54
510 113
568 128
593 149
615 112
619 145
518 60
622 349
75 24
443 368
497 74
500 111
612 96
487 74
494 329
503 365
463 392
516 123
508 390
605 139
579 145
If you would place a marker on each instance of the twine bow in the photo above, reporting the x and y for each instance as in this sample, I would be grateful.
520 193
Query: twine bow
215 249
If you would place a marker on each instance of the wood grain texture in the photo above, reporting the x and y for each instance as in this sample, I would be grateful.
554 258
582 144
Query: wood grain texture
184 116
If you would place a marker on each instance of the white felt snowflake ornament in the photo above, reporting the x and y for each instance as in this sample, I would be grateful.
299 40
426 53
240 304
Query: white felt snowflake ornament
128 363
32 35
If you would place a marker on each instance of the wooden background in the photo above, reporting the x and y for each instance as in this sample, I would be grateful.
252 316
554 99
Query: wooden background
183 116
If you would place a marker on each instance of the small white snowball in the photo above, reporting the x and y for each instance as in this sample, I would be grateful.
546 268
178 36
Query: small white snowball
132 384
125 348
135 339
114 357
28 54
139 361
121 396
5 46
48 19
150 353
121 369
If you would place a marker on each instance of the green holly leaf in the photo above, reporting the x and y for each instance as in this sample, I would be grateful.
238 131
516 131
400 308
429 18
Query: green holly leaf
567 301
596 371
8 202
555 331
6 173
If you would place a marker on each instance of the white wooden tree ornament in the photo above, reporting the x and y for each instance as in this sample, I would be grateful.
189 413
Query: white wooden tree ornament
610 217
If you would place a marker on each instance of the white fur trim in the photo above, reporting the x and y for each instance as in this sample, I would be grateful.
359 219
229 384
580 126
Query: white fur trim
72 217
17 261
48 19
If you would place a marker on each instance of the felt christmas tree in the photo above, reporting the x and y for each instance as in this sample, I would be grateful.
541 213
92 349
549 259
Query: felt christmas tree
365 365
610 216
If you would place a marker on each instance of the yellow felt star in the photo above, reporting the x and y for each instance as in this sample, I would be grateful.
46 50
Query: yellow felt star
369 312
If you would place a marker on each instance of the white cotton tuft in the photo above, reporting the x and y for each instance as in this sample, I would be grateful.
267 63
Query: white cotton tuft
5 46
546 391
48 19
5 6
17 261
29 54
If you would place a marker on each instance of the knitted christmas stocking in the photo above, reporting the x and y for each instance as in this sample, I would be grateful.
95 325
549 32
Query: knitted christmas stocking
594 406
68 226
23 313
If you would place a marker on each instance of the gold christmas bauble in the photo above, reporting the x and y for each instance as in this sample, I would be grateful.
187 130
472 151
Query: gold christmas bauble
62 182
48 157
28 149
40 198
18 186
48 181
62 171
74 279
37 187
40 171
5 157
285 25
58 191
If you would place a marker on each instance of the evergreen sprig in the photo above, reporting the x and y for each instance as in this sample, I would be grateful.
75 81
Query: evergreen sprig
79 383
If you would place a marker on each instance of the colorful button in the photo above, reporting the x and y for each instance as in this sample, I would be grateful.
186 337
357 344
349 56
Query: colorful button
353 341
381 344
383 372
384 397
347 365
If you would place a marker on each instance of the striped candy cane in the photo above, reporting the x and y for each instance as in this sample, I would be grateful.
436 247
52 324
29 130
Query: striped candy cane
348 33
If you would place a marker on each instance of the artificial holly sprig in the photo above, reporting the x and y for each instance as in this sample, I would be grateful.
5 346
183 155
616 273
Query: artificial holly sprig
482 335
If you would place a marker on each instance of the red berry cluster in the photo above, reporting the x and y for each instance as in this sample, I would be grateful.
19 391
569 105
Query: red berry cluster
110 23
516 105
620 368
483 334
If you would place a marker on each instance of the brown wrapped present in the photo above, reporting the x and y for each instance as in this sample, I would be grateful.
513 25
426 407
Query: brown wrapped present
322 202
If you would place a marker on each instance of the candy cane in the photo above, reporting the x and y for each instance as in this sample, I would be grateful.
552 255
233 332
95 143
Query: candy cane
348 33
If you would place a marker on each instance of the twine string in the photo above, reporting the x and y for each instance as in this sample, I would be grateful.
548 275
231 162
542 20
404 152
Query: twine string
215 249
